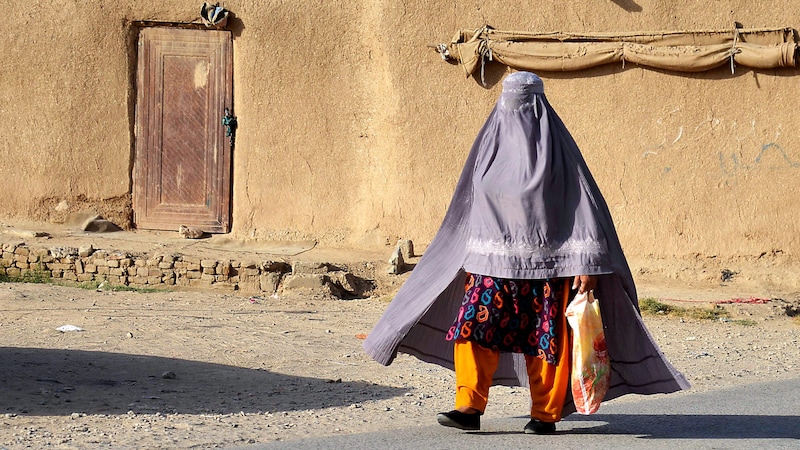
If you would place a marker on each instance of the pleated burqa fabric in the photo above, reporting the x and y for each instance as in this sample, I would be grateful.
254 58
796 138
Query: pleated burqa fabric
525 206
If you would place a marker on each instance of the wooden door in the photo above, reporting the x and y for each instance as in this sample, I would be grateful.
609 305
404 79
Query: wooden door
182 165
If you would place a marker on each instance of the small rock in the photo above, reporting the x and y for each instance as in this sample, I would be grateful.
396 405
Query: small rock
406 247
190 232
396 262
85 250
27 233
310 267
169 375
101 225
63 252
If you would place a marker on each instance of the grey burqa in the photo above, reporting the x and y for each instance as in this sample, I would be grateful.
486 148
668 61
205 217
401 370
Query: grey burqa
525 206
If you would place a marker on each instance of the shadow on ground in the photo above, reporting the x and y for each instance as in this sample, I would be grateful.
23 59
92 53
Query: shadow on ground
602 431
692 426
61 382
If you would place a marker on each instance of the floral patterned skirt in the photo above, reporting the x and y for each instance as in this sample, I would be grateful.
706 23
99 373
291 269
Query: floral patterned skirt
510 315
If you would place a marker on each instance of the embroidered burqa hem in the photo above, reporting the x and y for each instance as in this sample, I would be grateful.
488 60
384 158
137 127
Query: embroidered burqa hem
525 206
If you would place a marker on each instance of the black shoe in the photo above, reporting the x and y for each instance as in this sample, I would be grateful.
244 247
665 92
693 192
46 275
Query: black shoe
460 420
539 427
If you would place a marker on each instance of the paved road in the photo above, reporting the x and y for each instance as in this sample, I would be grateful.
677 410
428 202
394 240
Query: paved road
762 415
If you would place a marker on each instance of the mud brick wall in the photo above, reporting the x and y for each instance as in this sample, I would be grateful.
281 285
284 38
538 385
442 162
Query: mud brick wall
119 268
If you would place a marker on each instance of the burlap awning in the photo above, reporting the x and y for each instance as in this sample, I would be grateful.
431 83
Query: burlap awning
680 51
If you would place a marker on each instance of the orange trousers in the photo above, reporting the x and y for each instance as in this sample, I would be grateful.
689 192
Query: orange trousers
475 367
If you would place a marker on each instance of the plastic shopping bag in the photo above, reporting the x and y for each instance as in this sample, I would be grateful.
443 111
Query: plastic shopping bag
591 370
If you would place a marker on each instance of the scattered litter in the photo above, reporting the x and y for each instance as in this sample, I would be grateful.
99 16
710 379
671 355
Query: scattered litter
749 300
691 338
254 300
361 336
65 328
213 16
727 275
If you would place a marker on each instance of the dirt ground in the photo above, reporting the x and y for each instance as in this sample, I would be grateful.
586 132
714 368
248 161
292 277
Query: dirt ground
201 370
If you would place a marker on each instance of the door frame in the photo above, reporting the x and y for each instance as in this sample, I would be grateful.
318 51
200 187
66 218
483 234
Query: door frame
150 211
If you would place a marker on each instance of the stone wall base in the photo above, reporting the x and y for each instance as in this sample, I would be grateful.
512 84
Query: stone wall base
176 271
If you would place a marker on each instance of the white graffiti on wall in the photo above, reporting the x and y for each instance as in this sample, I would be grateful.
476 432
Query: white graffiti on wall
738 146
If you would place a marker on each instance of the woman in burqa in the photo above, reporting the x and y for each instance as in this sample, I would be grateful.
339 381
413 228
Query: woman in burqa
526 230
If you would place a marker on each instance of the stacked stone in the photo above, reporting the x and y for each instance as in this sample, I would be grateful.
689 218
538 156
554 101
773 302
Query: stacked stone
15 260
141 270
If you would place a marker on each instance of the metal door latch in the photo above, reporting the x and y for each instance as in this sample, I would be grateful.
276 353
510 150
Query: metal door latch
230 123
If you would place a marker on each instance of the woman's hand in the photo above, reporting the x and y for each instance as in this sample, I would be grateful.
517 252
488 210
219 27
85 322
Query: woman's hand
584 283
